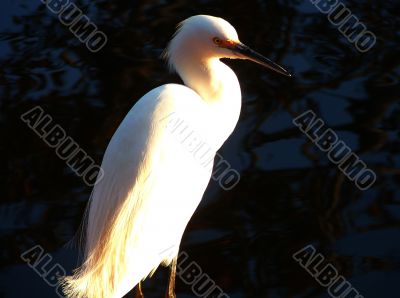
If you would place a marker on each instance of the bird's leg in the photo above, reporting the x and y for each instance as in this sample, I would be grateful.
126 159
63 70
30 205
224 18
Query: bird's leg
138 292
171 283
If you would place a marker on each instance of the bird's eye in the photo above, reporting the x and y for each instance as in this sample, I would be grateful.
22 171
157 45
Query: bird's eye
217 41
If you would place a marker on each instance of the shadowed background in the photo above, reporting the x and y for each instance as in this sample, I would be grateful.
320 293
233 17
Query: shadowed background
290 195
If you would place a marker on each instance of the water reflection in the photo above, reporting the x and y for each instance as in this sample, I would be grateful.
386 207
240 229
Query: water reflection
290 195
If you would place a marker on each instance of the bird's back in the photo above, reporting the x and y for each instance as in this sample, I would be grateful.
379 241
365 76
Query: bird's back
152 184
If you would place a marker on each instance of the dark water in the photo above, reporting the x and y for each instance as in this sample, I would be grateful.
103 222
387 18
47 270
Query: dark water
290 195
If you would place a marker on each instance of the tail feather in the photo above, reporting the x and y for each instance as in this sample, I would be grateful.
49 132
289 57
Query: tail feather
111 245
115 261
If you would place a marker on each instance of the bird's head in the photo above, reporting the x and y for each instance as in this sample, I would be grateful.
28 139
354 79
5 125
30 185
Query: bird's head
207 37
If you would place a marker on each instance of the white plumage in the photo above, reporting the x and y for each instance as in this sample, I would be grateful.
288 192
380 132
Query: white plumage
152 184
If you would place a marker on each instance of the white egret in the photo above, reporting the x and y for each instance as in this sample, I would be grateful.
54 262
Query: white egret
152 185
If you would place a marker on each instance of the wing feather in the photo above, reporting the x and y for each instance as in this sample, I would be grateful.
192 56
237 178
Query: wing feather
148 176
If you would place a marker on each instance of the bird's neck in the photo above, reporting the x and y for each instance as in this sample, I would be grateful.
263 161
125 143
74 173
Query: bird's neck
218 86
211 79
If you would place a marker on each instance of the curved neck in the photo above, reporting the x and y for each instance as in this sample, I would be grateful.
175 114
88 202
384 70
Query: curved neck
213 80
219 87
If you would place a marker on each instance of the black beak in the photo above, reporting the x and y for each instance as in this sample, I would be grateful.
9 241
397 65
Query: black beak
245 52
